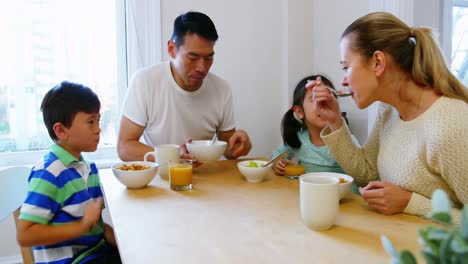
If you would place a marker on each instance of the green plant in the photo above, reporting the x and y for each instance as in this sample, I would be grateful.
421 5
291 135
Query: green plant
441 245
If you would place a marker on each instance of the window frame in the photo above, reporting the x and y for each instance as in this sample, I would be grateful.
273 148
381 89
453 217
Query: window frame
447 26
139 46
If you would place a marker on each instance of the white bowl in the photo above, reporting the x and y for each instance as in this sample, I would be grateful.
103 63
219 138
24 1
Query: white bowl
344 188
135 179
204 151
253 174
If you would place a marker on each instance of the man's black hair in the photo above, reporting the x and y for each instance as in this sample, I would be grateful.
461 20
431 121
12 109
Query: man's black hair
193 23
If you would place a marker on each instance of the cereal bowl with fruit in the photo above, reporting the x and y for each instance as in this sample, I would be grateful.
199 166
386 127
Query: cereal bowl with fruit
135 174
345 181
253 170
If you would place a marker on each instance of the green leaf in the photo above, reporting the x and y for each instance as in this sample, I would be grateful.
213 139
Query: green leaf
430 258
462 259
440 202
442 217
464 222
407 257
458 245
431 246
437 234
387 244
444 251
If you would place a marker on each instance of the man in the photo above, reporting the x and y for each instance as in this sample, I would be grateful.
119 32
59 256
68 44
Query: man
180 100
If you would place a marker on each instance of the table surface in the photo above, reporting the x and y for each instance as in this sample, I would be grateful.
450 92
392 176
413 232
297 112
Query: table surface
225 219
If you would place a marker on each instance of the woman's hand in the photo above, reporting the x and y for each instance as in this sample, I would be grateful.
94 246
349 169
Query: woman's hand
385 197
325 104
280 165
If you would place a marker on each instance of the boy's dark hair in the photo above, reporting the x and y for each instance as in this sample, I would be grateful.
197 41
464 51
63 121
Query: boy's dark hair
289 124
193 23
64 101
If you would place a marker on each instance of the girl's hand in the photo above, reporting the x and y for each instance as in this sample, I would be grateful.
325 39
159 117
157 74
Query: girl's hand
325 104
279 166
385 197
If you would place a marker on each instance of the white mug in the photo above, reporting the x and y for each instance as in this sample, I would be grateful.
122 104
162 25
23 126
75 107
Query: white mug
319 198
163 153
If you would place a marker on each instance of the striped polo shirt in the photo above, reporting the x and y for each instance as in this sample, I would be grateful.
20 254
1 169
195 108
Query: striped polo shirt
60 187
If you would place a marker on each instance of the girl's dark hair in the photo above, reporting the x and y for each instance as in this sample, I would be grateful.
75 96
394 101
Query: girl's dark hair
64 101
289 125
193 23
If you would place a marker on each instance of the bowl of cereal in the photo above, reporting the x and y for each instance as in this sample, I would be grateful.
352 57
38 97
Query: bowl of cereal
345 181
253 170
135 174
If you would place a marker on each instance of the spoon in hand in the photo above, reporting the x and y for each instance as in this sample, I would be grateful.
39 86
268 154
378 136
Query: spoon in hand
336 93
277 157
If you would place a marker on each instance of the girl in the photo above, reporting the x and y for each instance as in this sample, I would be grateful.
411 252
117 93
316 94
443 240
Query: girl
300 128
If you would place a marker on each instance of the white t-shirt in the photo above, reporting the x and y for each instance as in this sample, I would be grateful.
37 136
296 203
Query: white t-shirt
170 114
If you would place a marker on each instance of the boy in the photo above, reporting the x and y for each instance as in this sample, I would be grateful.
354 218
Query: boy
61 216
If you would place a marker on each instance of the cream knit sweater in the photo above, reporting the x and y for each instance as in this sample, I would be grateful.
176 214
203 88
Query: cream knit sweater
421 155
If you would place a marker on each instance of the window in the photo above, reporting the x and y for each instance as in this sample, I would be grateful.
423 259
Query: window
456 37
459 57
48 41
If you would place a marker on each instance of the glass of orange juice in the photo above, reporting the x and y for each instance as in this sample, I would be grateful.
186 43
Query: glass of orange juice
293 171
180 175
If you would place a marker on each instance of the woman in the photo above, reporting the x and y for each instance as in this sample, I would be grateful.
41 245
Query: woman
419 142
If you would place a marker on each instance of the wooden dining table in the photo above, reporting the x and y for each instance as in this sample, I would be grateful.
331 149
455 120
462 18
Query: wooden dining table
226 219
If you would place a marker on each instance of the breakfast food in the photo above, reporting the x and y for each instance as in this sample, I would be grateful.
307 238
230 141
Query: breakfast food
133 167
343 180
253 164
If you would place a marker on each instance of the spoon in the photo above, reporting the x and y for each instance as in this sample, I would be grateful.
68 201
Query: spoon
215 137
341 93
337 94
159 165
277 157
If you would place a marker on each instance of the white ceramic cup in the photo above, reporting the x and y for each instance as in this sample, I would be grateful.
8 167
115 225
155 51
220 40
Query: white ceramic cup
319 198
163 153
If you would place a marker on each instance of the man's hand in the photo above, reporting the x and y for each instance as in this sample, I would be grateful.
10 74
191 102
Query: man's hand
385 197
184 154
238 145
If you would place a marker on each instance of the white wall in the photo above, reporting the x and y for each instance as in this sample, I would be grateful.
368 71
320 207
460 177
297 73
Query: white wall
248 55
329 19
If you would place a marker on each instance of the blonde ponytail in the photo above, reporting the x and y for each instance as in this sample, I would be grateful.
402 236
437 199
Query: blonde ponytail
429 67
413 49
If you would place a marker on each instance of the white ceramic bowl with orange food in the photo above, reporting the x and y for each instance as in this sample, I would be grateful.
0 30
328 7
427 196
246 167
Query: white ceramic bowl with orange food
345 181
206 151
135 174
253 173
